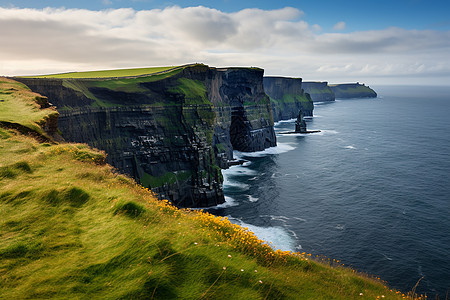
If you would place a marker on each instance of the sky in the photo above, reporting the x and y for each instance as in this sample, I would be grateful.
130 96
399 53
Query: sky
374 42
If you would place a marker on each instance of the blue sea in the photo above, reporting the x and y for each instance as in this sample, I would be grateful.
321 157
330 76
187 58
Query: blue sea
372 189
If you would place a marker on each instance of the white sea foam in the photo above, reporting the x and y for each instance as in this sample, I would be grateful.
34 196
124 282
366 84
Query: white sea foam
228 203
238 170
340 227
293 134
234 184
283 121
325 132
277 237
350 147
281 148
277 218
283 219
252 199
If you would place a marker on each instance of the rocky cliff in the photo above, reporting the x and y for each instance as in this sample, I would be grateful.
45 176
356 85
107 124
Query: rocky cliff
352 90
287 97
319 91
172 131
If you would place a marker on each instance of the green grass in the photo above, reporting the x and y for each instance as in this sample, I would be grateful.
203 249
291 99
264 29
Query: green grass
72 228
20 106
194 91
109 73
352 89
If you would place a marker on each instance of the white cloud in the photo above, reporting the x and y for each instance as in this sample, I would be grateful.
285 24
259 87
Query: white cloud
58 40
339 26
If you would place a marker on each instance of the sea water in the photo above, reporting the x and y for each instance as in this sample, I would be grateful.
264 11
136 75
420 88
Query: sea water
372 189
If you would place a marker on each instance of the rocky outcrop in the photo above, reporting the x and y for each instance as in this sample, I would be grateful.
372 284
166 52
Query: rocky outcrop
352 90
170 131
319 91
287 97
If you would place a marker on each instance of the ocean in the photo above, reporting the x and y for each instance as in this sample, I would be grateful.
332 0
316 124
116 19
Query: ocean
372 189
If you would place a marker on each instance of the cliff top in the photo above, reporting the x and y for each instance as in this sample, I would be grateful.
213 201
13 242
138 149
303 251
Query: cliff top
23 109
117 73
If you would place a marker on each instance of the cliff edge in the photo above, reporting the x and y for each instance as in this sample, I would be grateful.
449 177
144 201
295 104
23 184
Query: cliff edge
287 97
319 91
352 90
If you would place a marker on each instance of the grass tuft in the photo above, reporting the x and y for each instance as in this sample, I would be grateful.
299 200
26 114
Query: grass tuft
23 166
76 196
7 172
130 209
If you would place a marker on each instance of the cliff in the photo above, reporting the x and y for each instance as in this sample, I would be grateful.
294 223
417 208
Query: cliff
171 131
287 97
319 91
352 90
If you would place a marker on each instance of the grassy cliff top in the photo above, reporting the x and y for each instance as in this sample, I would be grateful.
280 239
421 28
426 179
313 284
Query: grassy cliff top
19 106
111 73
71 227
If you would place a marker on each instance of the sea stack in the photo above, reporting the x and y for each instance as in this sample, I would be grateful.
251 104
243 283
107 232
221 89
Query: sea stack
300 124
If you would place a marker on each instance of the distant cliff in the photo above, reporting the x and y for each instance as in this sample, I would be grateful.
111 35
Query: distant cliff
172 131
352 90
287 97
319 91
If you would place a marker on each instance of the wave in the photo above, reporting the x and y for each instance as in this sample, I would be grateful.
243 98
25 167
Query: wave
283 219
293 134
340 227
350 147
280 148
325 132
277 237
284 121
237 171
229 202
252 199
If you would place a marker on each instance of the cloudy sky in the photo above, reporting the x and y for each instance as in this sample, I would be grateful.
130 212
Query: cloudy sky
376 42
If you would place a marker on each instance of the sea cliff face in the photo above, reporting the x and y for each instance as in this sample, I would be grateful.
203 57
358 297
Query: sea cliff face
287 97
173 131
352 90
319 91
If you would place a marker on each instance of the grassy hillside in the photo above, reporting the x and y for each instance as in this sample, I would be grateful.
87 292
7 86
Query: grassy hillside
72 228
20 106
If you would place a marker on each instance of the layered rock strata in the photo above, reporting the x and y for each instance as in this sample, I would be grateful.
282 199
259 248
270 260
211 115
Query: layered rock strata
173 131
319 91
287 97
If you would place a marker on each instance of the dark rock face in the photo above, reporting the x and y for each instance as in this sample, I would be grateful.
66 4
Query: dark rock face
352 90
287 97
319 91
300 124
171 132
249 119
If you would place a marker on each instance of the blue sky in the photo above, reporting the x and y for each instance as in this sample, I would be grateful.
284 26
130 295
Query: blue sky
358 15
395 41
